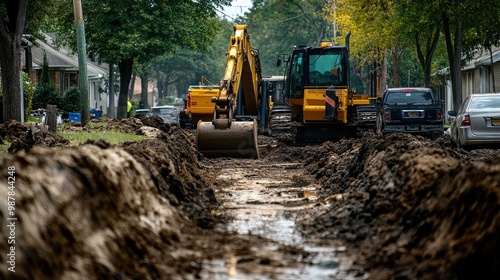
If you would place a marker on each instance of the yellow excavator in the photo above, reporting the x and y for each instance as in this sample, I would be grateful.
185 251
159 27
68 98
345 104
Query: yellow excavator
239 105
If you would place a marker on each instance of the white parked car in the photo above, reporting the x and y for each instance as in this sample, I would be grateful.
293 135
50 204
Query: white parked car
477 120
168 113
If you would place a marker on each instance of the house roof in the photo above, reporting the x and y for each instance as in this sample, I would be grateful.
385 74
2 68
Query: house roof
61 58
481 58
486 59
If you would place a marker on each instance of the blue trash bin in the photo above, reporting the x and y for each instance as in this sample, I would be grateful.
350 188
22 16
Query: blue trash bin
75 117
95 114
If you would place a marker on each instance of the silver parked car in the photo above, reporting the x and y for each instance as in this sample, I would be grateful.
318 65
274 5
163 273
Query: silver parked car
168 113
477 120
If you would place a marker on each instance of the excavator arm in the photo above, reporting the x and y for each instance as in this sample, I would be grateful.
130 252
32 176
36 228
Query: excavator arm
232 133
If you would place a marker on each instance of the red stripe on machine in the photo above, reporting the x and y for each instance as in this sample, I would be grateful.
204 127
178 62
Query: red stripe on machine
330 101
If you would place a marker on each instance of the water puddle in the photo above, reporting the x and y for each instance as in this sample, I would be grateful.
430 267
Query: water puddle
263 201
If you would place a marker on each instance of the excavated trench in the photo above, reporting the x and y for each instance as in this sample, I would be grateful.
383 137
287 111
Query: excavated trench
400 207
263 199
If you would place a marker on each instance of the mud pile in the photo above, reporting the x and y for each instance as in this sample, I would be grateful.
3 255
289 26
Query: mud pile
416 208
23 138
107 212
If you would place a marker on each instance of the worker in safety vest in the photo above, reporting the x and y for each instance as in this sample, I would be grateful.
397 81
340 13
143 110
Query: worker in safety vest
129 108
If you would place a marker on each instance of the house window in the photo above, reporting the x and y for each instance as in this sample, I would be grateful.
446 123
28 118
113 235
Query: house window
70 80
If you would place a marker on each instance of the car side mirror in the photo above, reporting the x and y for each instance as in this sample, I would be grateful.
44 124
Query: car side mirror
452 113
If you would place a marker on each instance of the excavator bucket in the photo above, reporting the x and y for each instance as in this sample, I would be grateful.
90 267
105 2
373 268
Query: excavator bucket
240 140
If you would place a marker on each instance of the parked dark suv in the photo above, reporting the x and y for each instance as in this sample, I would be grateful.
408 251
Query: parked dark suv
410 110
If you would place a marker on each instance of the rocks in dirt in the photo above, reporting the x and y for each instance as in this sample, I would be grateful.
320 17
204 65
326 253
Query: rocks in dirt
417 208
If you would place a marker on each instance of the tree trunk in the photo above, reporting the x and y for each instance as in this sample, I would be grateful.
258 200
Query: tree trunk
454 49
383 73
125 67
159 84
397 55
111 106
492 70
144 91
426 59
131 86
11 33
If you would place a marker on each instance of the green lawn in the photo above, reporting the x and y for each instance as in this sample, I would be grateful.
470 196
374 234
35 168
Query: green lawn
78 137
110 136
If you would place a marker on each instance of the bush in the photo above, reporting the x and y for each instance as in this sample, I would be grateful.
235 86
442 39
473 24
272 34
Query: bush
71 100
46 94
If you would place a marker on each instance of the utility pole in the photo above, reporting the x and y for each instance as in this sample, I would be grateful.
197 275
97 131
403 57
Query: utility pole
111 90
82 62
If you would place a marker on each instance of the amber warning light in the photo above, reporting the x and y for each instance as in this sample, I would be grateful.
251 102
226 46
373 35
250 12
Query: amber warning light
325 44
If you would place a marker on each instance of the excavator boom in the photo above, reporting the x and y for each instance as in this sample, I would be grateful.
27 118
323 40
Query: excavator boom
233 130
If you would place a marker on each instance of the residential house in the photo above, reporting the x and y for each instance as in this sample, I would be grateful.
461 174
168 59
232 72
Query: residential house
64 70
479 75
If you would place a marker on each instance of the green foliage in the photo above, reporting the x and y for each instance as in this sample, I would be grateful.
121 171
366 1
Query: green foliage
179 70
130 31
46 94
29 91
44 79
135 106
277 26
71 101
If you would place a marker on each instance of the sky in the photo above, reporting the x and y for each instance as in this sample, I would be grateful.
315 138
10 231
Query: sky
238 8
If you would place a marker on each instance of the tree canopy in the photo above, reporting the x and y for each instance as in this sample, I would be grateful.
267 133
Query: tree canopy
128 31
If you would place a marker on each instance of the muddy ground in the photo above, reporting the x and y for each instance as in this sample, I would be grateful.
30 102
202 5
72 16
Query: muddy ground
401 207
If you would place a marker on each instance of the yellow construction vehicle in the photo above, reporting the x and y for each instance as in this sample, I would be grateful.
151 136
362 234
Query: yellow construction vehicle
317 87
199 104
239 105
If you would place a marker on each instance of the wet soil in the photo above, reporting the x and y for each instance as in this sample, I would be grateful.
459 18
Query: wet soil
397 207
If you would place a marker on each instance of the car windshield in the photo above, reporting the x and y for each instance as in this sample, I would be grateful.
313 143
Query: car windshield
414 97
485 102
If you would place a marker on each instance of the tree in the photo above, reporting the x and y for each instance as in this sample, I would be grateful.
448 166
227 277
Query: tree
485 34
179 70
275 27
461 23
124 32
13 16
373 25
16 17
45 91
420 28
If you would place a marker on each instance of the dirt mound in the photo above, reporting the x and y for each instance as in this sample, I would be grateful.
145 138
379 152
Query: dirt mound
23 138
173 158
135 124
412 205
101 212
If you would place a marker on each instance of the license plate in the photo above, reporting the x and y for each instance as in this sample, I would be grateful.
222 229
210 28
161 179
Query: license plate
413 114
495 122
412 127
